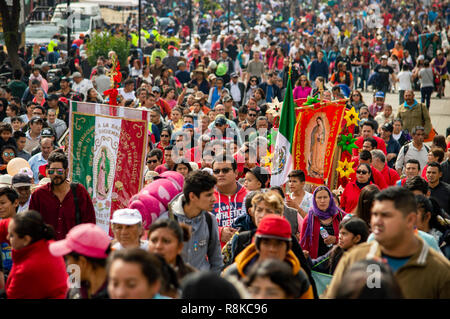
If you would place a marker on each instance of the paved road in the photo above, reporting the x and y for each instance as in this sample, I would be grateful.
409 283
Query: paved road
439 108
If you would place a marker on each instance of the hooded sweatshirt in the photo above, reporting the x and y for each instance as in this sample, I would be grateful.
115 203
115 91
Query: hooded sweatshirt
201 251
228 208
250 255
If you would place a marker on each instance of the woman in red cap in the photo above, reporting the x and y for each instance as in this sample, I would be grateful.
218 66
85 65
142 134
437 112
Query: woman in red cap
272 241
86 247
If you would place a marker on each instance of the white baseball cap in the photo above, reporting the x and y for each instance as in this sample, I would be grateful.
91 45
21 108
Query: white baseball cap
126 216
6 180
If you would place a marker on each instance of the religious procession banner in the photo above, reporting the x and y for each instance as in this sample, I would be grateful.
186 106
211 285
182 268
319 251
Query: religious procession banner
315 137
108 145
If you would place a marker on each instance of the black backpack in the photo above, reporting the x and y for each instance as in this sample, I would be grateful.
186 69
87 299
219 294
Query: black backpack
406 148
73 187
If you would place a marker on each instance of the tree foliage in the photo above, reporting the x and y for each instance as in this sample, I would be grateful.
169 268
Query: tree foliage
101 43
11 33
209 5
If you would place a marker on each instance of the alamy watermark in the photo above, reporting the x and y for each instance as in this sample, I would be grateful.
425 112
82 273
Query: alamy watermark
374 277
74 279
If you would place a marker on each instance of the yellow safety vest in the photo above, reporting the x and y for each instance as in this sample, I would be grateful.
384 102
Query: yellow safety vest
52 45
134 40
146 34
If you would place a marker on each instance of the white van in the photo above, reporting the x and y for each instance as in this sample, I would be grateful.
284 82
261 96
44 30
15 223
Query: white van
87 17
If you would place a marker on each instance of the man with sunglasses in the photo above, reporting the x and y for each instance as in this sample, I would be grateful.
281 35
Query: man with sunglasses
250 121
230 196
55 201
154 159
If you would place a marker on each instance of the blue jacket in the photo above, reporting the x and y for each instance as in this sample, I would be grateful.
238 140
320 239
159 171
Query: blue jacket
318 69
276 92
244 223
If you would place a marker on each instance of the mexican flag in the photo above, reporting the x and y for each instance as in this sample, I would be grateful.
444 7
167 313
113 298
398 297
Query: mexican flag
282 158
107 151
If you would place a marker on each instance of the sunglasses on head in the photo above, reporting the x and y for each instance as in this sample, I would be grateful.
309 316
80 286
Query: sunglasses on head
362 172
58 171
225 170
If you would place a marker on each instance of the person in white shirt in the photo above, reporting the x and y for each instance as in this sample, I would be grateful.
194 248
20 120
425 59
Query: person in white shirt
404 79
81 85
127 92
395 65
294 48
206 46
263 40
22 184
334 30
257 47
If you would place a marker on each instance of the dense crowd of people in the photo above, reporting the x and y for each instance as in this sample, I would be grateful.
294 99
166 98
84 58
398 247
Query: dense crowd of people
212 97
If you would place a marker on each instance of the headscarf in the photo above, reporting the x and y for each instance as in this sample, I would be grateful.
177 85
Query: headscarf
314 211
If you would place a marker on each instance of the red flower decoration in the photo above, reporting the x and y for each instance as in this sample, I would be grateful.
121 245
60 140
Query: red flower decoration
113 93
118 77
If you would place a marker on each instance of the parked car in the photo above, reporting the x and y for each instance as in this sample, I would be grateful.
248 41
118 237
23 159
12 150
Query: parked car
40 33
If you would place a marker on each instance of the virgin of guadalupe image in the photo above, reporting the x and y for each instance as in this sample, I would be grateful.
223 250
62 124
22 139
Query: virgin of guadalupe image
318 149
103 168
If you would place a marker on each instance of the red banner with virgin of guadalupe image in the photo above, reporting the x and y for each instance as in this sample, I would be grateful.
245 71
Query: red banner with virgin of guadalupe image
315 138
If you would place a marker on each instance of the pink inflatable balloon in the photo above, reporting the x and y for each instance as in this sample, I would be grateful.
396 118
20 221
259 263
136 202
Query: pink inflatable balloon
164 190
146 217
133 198
174 176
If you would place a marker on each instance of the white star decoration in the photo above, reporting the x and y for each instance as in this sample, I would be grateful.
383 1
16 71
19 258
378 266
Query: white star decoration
275 107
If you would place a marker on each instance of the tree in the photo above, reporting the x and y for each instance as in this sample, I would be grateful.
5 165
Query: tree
10 21
101 43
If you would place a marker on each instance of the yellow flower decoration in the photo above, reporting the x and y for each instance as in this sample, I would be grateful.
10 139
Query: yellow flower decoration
352 117
266 161
345 168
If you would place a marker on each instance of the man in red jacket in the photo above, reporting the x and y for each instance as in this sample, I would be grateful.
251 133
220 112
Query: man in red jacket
368 130
379 163
229 195
55 201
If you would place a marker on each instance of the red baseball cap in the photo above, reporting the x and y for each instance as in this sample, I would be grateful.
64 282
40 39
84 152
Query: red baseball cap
85 239
274 227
